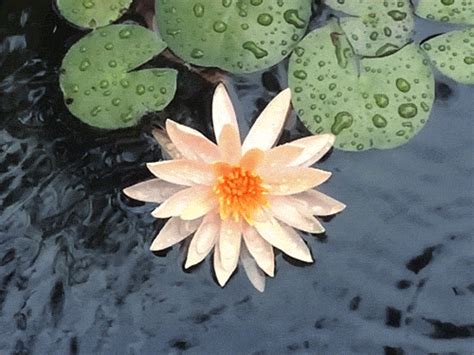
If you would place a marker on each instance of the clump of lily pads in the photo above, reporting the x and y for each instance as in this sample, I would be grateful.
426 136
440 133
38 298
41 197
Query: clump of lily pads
98 81
382 105
92 13
238 36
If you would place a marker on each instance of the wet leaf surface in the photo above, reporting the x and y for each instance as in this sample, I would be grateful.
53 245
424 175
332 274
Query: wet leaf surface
238 36
453 11
367 103
99 85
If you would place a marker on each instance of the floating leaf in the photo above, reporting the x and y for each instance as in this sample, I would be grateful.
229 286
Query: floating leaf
97 83
92 13
454 11
379 28
382 106
453 54
239 36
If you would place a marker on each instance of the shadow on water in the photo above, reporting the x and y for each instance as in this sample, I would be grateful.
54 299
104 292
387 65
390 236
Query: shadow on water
393 273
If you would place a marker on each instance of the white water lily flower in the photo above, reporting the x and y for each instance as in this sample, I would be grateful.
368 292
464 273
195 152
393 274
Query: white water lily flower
239 199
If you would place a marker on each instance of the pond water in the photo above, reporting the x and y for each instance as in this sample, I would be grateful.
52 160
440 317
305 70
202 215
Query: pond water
393 273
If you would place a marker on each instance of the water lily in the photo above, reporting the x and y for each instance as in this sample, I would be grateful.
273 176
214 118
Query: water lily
239 199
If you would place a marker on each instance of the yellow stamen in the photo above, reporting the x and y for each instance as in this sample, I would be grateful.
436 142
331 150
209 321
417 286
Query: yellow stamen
239 191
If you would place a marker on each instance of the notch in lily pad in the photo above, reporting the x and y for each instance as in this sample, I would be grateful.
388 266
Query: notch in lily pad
453 54
382 106
92 13
452 11
99 85
376 27
239 36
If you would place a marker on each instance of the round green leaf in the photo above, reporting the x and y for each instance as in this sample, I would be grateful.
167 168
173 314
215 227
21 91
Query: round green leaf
453 11
381 106
239 36
97 83
92 13
379 27
453 54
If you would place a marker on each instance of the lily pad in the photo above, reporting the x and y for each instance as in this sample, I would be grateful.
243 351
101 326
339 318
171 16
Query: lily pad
381 106
379 27
97 83
92 13
453 54
239 36
453 11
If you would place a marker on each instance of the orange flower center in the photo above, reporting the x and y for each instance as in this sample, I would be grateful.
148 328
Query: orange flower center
240 192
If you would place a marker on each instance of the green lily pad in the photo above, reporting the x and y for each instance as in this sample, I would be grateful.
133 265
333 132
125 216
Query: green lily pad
453 11
97 83
453 54
381 106
379 27
239 36
92 13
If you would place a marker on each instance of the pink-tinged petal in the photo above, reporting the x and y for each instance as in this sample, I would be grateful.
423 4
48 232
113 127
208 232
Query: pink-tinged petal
229 243
318 203
204 240
183 172
223 112
255 275
261 250
154 190
167 146
229 145
269 125
288 181
188 204
222 274
285 239
311 148
281 156
252 159
174 231
289 211
191 144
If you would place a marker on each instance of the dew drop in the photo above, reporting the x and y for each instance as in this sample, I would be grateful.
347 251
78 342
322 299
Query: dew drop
116 102
342 121
379 121
403 85
197 53
381 100
292 17
257 51
265 19
125 33
140 90
219 26
300 74
84 65
198 10
408 110
88 4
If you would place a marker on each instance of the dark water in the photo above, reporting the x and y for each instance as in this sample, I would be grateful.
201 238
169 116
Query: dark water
393 274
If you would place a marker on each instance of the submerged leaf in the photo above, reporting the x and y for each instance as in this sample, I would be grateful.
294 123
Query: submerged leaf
97 83
379 27
382 106
453 11
453 54
238 36
92 13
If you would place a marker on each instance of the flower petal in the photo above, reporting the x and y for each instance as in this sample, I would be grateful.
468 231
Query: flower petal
289 211
268 126
188 204
222 274
154 190
229 145
285 239
174 231
261 250
281 156
252 159
318 203
204 240
229 243
183 172
288 181
311 150
168 148
223 112
191 144
255 275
